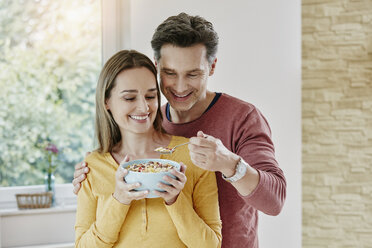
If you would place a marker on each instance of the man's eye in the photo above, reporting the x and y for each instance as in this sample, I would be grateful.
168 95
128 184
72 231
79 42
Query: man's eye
193 75
129 98
150 97
170 73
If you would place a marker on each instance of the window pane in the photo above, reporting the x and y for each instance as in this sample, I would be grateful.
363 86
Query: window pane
50 58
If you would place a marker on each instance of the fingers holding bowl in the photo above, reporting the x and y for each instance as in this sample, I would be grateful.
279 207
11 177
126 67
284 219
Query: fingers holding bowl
172 185
126 192
138 195
180 175
151 172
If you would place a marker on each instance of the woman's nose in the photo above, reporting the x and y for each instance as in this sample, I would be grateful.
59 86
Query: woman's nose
143 105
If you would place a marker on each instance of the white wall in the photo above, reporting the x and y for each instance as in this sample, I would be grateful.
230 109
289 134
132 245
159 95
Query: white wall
259 60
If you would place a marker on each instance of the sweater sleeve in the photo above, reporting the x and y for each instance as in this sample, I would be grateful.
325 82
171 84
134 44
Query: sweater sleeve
256 148
198 224
97 226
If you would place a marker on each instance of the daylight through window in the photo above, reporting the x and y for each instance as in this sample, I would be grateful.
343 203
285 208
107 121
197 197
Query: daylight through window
50 58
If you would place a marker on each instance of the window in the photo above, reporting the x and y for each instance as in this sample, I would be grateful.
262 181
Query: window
50 59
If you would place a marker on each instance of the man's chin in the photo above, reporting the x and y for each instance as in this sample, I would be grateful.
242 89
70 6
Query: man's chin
180 107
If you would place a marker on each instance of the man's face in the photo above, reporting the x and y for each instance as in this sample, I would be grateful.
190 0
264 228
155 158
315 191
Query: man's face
183 74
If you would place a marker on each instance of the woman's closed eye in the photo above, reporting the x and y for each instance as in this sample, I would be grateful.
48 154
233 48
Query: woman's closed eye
134 98
129 98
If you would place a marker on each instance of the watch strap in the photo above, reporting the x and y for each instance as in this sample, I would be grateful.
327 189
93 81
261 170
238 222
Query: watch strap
240 171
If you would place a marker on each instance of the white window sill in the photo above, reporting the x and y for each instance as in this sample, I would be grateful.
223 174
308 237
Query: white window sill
57 209
43 227
61 245
63 195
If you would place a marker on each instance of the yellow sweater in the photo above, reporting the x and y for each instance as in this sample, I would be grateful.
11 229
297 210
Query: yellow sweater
192 221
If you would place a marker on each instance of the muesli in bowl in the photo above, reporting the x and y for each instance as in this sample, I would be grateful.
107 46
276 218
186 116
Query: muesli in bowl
149 172
150 166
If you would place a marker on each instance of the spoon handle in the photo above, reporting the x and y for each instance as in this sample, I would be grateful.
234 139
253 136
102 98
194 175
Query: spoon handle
180 145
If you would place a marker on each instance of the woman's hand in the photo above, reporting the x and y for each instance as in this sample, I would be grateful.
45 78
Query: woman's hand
176 185
81 169
123 191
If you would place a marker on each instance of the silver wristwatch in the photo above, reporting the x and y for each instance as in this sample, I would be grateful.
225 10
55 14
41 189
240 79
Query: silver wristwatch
240 171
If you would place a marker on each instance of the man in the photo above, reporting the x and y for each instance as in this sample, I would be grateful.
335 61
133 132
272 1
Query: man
227 135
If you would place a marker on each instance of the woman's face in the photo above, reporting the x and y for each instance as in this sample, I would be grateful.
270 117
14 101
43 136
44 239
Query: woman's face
133 101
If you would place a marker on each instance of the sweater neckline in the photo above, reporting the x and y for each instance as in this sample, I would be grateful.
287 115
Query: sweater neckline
209 110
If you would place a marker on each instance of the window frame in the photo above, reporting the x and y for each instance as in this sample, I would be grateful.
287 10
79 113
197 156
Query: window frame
115 16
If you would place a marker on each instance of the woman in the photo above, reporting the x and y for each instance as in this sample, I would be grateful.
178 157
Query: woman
128 125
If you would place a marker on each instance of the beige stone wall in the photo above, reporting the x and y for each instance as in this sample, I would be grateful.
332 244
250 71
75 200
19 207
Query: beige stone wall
337 123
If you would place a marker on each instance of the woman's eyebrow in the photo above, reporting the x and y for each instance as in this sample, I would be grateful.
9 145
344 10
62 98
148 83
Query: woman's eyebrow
136 91
130 91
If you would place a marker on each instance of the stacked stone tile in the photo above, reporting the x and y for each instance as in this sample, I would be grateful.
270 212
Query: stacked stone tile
337 123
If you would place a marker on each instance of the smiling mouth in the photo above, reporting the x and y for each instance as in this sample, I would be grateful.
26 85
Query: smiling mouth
181 97
139 117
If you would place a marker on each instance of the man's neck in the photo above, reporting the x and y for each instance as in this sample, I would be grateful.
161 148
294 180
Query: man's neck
194 112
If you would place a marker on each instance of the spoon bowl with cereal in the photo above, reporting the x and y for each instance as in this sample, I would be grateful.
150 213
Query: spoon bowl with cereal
167 150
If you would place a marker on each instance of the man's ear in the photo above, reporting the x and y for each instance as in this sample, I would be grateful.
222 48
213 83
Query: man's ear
156 63
213 67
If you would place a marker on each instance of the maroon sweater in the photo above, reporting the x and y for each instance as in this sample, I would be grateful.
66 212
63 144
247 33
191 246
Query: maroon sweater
243 130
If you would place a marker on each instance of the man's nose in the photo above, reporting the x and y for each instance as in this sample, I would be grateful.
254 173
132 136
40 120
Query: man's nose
180 85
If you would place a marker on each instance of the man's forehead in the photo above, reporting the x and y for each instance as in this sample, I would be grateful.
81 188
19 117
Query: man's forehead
184 67
183 59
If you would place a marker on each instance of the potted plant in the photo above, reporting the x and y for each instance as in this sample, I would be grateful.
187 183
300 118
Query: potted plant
51 155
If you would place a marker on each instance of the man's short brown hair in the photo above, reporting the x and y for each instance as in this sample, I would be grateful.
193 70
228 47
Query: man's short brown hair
184 30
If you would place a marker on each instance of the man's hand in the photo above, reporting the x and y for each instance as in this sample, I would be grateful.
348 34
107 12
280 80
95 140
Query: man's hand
210 154
81 169
176 185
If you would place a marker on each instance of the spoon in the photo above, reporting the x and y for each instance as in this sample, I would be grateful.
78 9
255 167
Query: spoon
167 150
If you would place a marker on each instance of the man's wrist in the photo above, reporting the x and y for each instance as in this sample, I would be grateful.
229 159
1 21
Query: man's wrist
230 168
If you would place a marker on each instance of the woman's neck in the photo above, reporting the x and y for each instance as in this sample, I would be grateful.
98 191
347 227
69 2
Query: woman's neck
138 146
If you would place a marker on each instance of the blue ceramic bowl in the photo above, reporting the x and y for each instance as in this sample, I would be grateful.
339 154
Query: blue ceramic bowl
148 180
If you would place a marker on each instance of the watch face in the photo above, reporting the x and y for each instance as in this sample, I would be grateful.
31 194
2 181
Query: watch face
240 168
240 171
